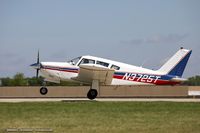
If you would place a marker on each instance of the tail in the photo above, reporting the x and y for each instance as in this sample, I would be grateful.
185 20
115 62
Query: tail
176 64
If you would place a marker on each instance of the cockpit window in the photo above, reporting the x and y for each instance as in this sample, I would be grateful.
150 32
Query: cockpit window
75 60
87 61
115 67
102 63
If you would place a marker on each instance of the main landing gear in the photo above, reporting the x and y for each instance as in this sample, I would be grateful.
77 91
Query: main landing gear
93 92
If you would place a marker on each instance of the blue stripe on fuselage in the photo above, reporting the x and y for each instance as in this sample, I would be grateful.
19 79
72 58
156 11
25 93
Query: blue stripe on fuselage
162 77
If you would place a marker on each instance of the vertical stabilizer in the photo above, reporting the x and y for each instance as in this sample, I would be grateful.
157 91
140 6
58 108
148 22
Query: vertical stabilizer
176 64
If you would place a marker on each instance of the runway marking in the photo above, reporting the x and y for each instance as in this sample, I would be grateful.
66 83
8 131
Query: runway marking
16 100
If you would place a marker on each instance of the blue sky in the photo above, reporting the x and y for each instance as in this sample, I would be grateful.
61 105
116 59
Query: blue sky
138 32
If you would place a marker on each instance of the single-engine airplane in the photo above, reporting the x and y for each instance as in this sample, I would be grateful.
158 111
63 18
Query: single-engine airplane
97 71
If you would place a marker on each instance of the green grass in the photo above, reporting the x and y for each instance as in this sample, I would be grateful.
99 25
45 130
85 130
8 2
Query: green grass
101 117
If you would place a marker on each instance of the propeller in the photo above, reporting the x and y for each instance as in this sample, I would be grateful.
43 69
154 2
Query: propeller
37 65
38 62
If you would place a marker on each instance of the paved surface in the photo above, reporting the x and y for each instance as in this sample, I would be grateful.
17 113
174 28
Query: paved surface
99 99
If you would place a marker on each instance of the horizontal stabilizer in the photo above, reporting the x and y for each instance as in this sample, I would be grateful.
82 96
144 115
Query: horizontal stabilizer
178 79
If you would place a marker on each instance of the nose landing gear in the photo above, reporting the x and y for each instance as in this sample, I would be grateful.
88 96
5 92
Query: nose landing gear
93 92
43 90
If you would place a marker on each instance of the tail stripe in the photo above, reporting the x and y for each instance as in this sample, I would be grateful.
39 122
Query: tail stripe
180 67
176 64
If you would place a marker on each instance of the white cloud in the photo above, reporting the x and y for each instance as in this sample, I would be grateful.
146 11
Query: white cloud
157 39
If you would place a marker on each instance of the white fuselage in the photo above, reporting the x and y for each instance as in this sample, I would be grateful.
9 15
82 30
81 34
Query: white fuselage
124 74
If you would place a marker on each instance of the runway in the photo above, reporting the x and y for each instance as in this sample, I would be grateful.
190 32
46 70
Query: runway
16 100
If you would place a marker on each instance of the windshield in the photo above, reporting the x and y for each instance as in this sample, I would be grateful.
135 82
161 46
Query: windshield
74 61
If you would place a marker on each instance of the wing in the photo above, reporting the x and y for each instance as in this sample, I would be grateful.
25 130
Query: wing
88 73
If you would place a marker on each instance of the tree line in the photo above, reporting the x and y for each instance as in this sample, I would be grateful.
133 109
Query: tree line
193 81
20 80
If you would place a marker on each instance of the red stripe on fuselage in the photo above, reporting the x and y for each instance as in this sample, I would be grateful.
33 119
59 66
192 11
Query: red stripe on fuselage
158 82
72 71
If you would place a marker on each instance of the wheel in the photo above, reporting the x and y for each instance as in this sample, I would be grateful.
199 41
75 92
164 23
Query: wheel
43 90
92 94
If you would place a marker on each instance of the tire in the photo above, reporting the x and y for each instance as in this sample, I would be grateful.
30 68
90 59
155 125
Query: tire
43 90
92 94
